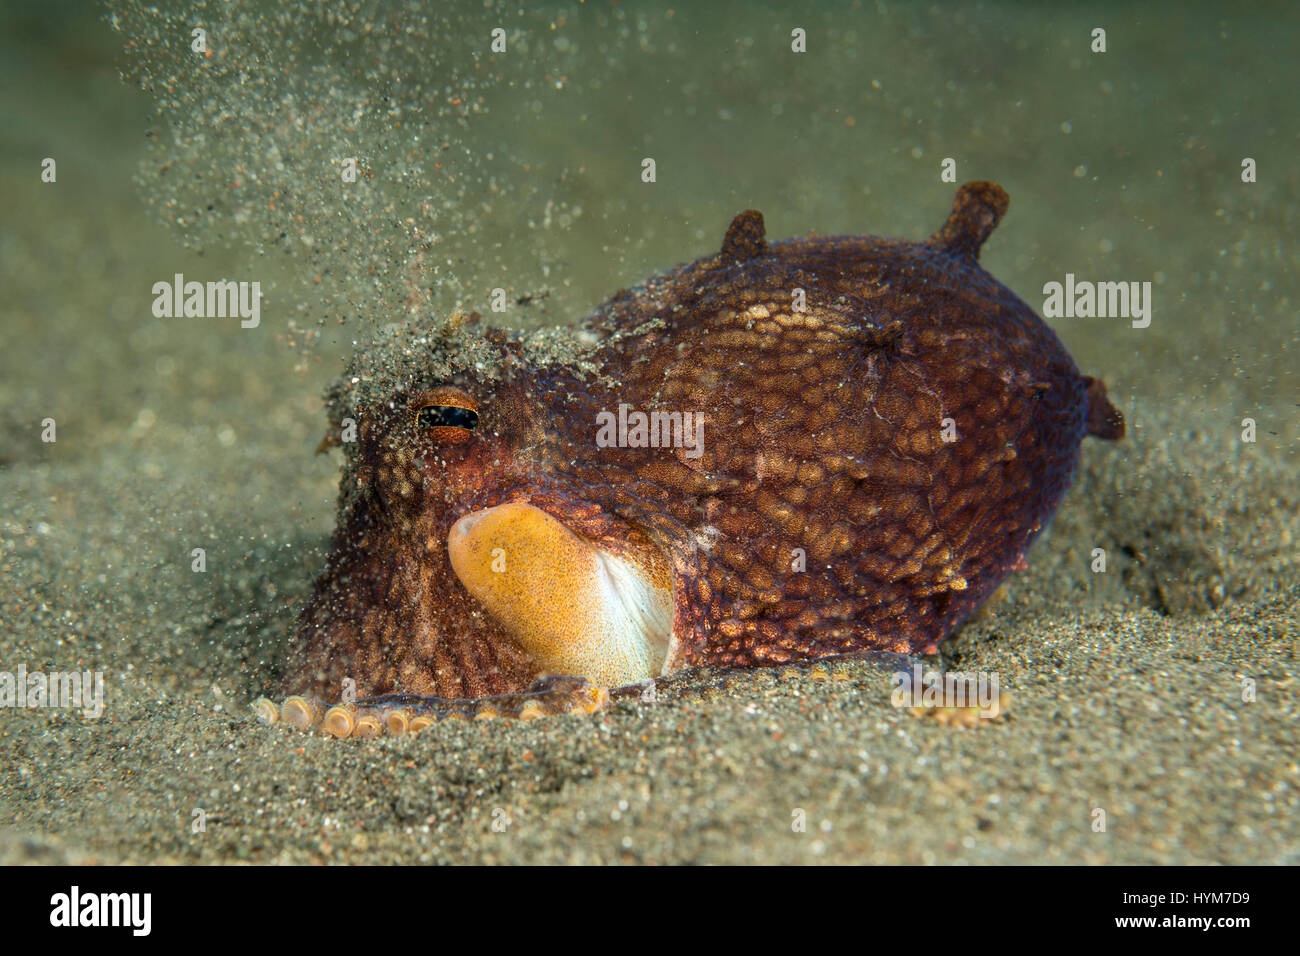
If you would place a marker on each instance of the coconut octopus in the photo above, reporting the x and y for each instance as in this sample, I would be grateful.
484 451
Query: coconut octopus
777 453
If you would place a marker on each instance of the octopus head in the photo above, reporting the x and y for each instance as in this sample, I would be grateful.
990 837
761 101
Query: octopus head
476 553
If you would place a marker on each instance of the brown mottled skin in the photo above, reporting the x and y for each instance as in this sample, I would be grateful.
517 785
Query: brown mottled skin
824 432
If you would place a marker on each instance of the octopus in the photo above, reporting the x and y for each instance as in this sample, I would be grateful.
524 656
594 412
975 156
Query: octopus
778 453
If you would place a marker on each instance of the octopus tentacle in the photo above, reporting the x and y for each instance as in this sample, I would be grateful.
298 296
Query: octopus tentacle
398 714
410 713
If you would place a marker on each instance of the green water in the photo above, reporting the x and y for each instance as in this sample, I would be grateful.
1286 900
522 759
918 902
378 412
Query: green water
522 170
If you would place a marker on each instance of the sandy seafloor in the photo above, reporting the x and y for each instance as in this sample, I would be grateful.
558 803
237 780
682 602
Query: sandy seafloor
1127 687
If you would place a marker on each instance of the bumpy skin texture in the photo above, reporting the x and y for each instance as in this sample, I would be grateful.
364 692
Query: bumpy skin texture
824 436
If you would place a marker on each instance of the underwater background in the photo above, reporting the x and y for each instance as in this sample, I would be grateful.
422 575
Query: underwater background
522 171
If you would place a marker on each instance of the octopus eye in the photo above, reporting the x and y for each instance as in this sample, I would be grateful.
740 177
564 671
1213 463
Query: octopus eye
447 414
